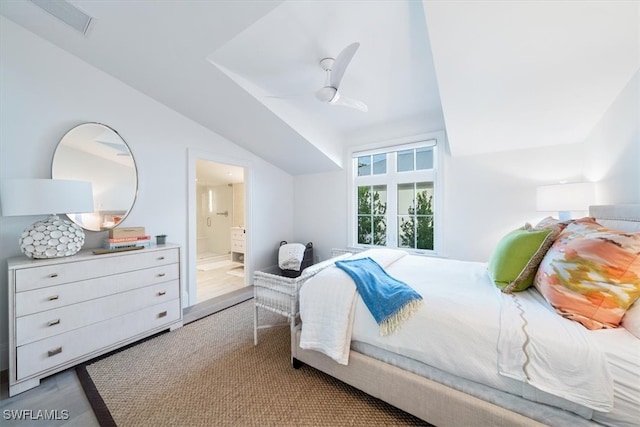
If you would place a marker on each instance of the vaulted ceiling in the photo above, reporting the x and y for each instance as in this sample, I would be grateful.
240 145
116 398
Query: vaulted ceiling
496 75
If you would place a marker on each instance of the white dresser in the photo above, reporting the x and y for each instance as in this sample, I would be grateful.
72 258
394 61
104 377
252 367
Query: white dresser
65 311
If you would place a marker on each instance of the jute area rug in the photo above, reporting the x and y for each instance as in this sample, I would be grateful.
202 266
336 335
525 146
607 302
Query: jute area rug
209 373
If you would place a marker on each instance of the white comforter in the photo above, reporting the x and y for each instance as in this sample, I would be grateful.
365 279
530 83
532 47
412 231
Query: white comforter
466 327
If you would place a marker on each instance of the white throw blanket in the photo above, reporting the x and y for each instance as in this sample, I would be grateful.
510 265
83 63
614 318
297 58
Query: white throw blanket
328 315
458 330
290 256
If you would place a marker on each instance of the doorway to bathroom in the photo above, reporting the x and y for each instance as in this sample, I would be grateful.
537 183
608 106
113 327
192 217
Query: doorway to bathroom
220 229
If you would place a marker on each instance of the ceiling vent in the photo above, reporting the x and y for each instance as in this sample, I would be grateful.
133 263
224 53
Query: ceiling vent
67 13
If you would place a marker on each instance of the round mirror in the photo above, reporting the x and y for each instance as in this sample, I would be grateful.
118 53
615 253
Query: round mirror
94 152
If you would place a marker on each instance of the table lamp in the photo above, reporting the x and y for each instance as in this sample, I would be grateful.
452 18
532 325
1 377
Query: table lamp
565 198
55 236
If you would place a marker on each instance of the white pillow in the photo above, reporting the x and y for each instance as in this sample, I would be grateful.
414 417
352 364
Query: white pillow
631 319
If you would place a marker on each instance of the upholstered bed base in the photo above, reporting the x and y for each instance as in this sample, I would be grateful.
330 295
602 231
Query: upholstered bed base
426 399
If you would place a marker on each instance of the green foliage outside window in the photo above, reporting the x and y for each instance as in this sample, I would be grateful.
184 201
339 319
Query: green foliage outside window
416 229
372 210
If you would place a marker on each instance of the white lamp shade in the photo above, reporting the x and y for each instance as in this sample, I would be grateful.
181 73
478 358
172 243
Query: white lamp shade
45 196
565 197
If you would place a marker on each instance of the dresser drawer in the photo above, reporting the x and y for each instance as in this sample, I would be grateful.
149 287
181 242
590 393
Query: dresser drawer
53 322
37 300
81 343
237 234
237 246
91 267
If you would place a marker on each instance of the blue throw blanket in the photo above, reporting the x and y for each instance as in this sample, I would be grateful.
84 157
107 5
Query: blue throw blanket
389 300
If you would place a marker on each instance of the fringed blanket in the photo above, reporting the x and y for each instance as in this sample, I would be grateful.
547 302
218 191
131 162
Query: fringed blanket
389 300
327 304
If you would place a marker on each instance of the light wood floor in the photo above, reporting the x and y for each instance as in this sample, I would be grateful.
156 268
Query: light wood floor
219 281
63 392
60 392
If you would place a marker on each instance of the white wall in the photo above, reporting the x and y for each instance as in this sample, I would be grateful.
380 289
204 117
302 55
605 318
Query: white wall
321 211
45 91
488 195
614 148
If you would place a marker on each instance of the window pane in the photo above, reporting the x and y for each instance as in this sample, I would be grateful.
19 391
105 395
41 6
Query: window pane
406 232
425 232
372 210
424 158
364 165
424 198
415 215
364 230
379 206
379 230
364 200
405 160
405 199
380 164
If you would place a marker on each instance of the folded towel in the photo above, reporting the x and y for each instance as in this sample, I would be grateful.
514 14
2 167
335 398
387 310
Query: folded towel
389 300
290 256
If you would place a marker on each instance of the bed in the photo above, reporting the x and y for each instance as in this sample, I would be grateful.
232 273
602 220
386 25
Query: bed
451 365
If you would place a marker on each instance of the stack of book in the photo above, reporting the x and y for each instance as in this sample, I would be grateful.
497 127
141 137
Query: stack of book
126 238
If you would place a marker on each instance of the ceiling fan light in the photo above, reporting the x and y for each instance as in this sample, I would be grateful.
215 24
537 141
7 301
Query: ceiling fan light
327 94
335 98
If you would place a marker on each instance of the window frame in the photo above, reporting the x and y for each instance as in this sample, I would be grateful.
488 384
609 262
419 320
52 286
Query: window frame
392 179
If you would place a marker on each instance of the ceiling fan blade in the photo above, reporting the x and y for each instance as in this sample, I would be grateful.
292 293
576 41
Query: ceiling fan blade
341 63
349 102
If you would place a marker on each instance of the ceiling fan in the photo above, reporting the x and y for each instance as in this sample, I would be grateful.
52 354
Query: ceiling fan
335 69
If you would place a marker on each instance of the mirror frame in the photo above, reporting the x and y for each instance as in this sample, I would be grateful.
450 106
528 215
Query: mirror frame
75 217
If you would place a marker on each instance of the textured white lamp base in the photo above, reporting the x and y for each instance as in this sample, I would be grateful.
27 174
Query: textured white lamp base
52 238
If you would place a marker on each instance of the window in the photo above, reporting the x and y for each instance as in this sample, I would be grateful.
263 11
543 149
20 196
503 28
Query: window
395 196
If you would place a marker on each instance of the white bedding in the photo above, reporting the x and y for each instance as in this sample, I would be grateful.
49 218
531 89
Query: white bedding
551 353
328 316
482 338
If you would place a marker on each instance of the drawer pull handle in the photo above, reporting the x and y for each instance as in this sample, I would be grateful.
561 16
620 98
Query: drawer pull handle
162 314
53 297
160 258
54 322
52 275
160 274
162 293
55 351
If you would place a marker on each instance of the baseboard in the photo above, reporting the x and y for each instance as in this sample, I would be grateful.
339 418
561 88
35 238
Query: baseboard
206 308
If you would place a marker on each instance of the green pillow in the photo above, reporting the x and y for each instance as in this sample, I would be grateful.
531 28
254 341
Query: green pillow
515 260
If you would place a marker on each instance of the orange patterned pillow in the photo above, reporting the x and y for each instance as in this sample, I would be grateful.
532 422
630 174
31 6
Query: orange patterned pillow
551 222
591 274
